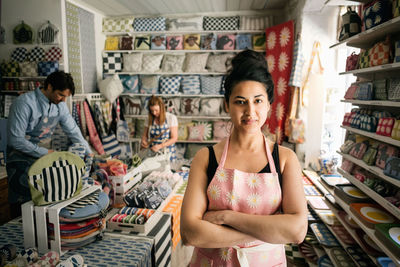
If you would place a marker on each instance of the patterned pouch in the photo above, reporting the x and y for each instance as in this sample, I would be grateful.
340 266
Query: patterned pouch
221 23
149 24
363 59
118 24
380 53
368 123
397 51
351 91
358 150
396 130
380 89
347 119
384 152
385 126
347 146
45 68
347 166
10 69
392 167
370 155
394 90
351 62
356 121
112 43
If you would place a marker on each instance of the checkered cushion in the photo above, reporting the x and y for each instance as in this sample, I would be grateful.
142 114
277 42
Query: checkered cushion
36 54
149 84
170 85
151 62
175 42
211 85
158 42
368 123
365 91
191 85
221 23
379 54
394 90
385 126
380 89
397 51
45 68
130 83
28 69
118 24
10 69
19 54
149 24
243 41
53 54
112 62
142 42
226 42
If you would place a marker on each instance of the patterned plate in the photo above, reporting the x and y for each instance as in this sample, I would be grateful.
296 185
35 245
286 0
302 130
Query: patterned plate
359 256
36 54
311 190
343 235
317 203
323 235
53 54
324 261
19 54
340 257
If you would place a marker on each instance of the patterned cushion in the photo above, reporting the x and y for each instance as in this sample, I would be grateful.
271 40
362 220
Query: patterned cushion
243 41
211 85
36 54
394 89
208 129
195 62
149 24
368 123
132 62
221 23
28 69
190 106
126 43
255 23
208 41
183 132
385 126
376 12
151 62
397 51
175 42
396 130
209 106
118 24
218 62
130 83
380 89
365 91
19 54
191 84
226 42
220 130
188 23
112 62
111 87
172 104
132 105
259 42
196 132
170 85
172 63
112 43
53 54
10 69
191 42
142 42
149 84
158 42
45 68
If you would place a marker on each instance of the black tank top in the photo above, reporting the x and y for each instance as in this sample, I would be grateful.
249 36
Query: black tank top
213 165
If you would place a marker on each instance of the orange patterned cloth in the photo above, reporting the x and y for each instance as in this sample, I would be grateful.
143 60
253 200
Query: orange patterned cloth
174 207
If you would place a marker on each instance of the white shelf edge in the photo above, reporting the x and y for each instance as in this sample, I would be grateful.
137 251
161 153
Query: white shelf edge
378 137
385 67
372 194
183 141
177 51
186 117
166 73
25 77
177 95
372 169
316 180
179 32
372 102
368 231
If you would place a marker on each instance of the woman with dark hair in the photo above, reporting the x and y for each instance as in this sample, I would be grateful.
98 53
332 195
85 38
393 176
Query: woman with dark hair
161 131
242 202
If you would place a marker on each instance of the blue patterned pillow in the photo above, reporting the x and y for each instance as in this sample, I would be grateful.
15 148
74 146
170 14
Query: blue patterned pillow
130 83
149 24
191 85
149 84
211 85
158 42
170 85
243 41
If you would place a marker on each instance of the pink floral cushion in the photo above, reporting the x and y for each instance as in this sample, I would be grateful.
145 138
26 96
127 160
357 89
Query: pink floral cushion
196 132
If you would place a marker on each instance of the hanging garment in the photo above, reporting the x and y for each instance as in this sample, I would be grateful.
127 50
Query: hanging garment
93 136
251 193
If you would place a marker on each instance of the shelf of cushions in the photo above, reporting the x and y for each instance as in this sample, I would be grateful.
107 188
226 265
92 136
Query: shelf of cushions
378 137
372 194
184 141
177 51
171 95
369 37
351 231
381 68
372 169
368 231
167 73
131 33
185 117
372 103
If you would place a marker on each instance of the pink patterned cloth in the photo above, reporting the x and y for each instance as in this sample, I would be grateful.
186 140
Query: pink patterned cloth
251 193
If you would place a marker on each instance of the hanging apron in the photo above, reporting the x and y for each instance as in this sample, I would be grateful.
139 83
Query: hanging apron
156 130
251 193
18 163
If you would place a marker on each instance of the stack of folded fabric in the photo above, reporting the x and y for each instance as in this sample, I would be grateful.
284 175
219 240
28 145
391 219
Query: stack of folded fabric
131 215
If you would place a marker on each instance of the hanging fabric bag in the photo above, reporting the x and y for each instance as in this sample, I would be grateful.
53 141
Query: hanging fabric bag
351 24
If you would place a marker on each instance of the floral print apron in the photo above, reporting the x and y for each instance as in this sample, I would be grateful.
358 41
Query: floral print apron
251 193
156 130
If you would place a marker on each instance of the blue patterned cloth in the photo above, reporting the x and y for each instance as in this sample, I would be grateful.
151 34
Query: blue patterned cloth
191 85
45 68
156 130
170 85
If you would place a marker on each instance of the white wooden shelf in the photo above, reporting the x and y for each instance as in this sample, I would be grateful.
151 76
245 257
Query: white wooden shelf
375 136
167 73
25 77
368 231
375 69
177 95
181 51
372 103
395 211
372 169
368 38
182 32
316 180
15 91
186 117
184 141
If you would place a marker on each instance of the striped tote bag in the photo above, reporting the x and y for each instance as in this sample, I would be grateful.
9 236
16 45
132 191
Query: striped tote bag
55 177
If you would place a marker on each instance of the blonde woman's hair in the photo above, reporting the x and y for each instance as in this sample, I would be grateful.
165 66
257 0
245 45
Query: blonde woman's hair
154 101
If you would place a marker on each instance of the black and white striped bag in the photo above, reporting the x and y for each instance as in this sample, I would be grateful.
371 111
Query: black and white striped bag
48 34
55 177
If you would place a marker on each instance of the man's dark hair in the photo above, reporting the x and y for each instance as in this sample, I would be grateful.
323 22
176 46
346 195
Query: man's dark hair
60 80
249 65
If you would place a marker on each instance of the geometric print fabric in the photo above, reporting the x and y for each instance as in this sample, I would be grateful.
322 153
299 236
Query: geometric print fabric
36 54
112 62
19 54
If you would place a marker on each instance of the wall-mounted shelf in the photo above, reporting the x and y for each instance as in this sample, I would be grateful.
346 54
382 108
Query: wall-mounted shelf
375 69
375 136
167 73
177 95
184 141
182 51
182 32
200 117
26 77
372 103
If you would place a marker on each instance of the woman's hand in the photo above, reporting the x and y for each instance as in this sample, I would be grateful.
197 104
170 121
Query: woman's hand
215 217
156 148
144 143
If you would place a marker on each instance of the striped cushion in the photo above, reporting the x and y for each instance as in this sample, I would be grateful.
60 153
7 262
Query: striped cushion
111 146
191 84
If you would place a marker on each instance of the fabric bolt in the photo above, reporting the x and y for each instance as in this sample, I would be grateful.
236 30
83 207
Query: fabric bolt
36 54
191 85
118 24
19 54
170 85
48 33
253 193
82 118
99 118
